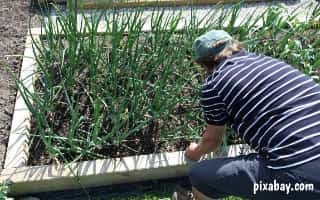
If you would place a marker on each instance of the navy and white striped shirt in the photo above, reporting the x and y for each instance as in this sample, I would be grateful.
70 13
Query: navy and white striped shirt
271 106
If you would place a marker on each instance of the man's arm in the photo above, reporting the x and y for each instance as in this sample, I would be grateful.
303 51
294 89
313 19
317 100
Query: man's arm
210 141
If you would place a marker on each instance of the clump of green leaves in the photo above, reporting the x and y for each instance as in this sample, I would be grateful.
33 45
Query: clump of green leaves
286 38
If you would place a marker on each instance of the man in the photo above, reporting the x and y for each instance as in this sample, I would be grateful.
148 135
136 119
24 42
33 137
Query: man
273 107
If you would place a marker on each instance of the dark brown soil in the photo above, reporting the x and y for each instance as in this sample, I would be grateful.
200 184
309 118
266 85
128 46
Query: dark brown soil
14 18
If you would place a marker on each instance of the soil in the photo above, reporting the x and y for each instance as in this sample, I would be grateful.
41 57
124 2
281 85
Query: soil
14 21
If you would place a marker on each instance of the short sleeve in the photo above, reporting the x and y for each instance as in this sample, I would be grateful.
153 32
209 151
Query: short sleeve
214 109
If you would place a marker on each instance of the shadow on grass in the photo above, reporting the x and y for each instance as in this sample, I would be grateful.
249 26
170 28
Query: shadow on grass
147 190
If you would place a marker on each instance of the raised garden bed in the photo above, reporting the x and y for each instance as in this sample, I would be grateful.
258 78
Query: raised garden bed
120 91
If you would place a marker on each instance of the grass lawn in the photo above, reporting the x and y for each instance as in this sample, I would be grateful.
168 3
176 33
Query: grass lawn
145 190
156 196
162 191
159 197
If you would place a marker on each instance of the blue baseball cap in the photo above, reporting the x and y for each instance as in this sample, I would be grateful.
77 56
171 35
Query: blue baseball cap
205 45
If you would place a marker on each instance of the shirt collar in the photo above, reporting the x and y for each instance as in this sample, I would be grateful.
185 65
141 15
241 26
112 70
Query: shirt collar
231 59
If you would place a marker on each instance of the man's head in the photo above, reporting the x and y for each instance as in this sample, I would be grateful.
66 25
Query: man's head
214 46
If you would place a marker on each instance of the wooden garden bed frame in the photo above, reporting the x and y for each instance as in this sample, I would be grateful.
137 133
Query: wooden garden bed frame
97 4
34 179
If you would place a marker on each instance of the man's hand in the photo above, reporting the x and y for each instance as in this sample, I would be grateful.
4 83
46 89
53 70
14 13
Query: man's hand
210 141
192 152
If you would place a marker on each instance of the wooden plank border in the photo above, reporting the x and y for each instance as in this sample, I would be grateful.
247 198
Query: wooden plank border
35 179
18 145
98 4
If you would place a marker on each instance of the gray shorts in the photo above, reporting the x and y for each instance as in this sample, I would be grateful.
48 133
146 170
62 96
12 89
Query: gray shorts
248 177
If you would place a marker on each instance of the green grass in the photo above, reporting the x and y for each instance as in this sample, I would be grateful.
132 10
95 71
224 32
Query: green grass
156 196
126 91
4 189
163 192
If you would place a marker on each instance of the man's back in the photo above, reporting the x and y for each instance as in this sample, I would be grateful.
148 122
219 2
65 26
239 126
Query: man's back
272 106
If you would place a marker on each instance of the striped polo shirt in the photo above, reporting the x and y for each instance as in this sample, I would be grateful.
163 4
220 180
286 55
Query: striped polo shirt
271 105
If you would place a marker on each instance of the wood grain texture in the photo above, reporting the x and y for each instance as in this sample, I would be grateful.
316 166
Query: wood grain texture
35 179
95 4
